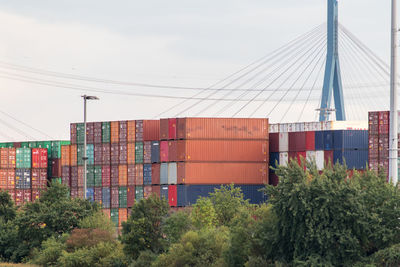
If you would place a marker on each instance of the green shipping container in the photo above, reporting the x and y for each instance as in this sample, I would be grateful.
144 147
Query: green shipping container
23 158
138 193
139 152
105 132
90 176
56 180
56 148
33 144
80 133
89 154
97 176
122 197
3 145
25 144
45 144
114 216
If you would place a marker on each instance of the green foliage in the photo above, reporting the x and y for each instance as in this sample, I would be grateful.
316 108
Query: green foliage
50 252
203 213
227 201
97 220
81 238
388 257
143 229
197 248
175 225
145 259
7 208
9 242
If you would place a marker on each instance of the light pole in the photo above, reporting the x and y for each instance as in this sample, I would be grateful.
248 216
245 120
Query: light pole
85 158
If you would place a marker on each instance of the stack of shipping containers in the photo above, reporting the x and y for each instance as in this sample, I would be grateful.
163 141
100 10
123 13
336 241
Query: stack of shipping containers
319 142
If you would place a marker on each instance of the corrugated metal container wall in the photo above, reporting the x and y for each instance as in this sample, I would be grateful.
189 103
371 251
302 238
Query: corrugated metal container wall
222 150
73 133
74 176
90 194
98 196
123 153
222 128
114 197
114 152
98 159
106 197
122 200
274 142
172 128
147 152
310 140
274 159
74 155
114 129
123 131
155 173
139 152
114 175
123 175
130 191
131 153
283 158
114 216
320 158
156 190
164 128
122 216
131 134
147 171
172 150
97 136
164 151
147 191
350 139
172 195
131 174
164 192
319 140
172 173
151 130
328 157
3 179
39 158
297 141
139 131
138 193
80 133
23 158
155 152
97 176
355 159
11 178
105 132
139 174
65 155
106 154
90 132
106 175
328 140
283 142
164 173
222 173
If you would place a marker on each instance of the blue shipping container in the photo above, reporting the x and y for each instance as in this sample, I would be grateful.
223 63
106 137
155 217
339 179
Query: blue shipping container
328 140
273 159
106 197
155 152
164 191
355 159
319 140
188 194
22 178
350 139
90 194
147 174
164 173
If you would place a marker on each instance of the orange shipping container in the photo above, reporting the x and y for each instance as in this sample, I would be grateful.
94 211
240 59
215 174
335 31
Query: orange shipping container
65 155
12 157
151 130
222 128
114 125
122 175
122 216
222 173
4 158
74 155
3 179
11 178
223 150
107 212
131 153
131 134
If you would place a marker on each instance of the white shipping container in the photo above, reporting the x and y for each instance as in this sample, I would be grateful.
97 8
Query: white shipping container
300 127
283 142
274 128
283 158
172 173
319 159
310 156
291 127
283 127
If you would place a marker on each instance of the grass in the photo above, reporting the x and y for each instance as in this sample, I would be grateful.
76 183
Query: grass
16 265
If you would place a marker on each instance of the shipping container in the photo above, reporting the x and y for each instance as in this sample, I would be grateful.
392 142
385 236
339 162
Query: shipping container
139 131
106 197
38 178
130 191
97 133
90 133
139 152
164 128
106 132
131 174
222 150
114 216
147 171
164 192
283 158
131 134
114 130
222 173
74 155
274 142
319 140
155 173
123 131
89 176
147 152
273 179
72 133
151 130
147 191
55 168
123 175
3 178
122 216
172 195
10 178
172 150
106 175
156 190
80 133
164 173
90 194
107 213
23 158
138 174
98 156
328 157
123 156
350 139
297 141
97 176
328 140
173 173
164 151
131 153
122 200
114 197
172 128
98 196
114 175
283 142
155 152
138 193
274 159
35 194
39 158
355 159
22 178
74 177
114 153
222 128
187 195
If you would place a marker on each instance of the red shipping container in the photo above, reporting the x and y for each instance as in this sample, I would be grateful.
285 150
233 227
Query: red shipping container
151 130
74 177
164 128
19 197
298 156
106 175
114 154
114 175
172 195
3 178
138 174
80 177
66 176
373 146
384 117
74 155
131 132
10 178
164 151
98 194
147 152
328 157
383 129
97 133
27 195
106 154
310 141
123 153
123 175
131 153
73 133
172 129
35 194
131 174
35 178
12 158
114 197
55 168
4 158
90 132
43 178
122 216
123 131
139 131
172 151
155 173
130 196
273 179
297 141
39 158
156 190
114 130
66 155
274 142
147 191
98 159
17 144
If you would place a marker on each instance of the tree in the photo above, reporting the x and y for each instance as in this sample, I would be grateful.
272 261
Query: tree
143 229
203 213
7 208
175 225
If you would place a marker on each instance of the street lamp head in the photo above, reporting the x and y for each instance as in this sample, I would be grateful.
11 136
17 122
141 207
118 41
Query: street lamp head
90 97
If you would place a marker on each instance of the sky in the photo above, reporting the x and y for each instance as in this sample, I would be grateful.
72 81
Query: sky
175 42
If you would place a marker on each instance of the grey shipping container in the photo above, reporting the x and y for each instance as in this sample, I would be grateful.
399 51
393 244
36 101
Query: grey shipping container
147 174
172 173
106 197
164 173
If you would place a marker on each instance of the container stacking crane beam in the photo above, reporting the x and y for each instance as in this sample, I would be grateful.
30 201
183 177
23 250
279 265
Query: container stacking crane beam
332 79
